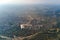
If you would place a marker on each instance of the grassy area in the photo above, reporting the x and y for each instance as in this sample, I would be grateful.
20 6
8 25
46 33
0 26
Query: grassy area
44 36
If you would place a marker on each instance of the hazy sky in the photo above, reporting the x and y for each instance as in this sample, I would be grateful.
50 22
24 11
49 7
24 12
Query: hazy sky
29 1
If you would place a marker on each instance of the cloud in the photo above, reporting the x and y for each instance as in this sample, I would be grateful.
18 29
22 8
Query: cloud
20 1
29 1
52 1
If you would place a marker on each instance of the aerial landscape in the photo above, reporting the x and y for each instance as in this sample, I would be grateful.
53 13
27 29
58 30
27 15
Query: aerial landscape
29 21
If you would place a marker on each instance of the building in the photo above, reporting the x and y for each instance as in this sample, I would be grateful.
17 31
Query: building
25 26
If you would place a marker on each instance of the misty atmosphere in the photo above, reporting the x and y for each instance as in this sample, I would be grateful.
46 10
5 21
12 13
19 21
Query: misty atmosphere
30 22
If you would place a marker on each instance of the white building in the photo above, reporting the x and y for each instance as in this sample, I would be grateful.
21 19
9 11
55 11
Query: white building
26 26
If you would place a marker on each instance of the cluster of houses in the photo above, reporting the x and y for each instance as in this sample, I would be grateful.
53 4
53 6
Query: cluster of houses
31 25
